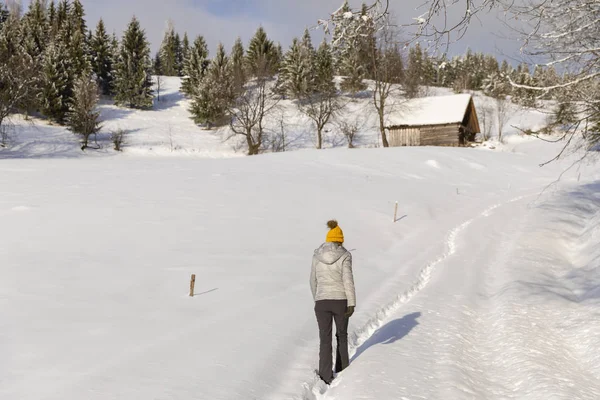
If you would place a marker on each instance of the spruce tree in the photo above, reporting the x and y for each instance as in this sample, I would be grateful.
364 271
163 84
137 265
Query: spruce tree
293 78
4 14
133 80
52 20
178 55
353 68
57 85
101 58
195 67
185 52
415 71
324 70
77 15
168 53
35 29
341 42
237 65
215 93
73 34
62 14
19 73
366 42
261 57
82 117
157 65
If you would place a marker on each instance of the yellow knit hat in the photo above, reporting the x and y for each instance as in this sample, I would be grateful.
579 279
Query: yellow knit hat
335 233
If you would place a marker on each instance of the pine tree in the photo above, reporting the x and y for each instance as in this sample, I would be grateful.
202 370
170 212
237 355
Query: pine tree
19 73
195 67
261 57
352 47
215 92
414 71
52 20
185 52
4 14
237 65
296 72
168 52
62 14
35 29
324 70
178 55
101 58
77 16
354 71
341 40
366 43
133 80
73 34
57 86
157 65
82 117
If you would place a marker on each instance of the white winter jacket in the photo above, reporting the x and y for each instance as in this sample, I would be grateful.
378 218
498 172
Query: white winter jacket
331 274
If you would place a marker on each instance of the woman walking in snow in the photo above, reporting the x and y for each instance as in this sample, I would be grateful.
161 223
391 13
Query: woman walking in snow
332 285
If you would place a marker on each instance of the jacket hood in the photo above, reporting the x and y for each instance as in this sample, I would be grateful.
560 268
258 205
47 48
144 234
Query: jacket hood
329 253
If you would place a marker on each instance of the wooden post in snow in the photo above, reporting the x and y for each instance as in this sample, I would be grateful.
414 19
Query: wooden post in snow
192 283
396 212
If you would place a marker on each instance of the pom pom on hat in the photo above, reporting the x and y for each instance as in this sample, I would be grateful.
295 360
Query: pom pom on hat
335 233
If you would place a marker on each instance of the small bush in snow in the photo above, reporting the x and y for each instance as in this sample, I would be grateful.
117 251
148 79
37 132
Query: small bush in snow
118 139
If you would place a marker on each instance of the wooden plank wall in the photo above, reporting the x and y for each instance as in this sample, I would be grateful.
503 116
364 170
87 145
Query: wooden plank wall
405 137
440 135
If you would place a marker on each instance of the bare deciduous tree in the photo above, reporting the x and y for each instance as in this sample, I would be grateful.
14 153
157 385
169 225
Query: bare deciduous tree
83 116
248 113
486 116
158 80
502 114
321 109
387 70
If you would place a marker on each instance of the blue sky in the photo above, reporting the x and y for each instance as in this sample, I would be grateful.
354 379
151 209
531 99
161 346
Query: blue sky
224 20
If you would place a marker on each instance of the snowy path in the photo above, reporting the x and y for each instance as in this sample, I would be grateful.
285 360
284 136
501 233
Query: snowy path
488 326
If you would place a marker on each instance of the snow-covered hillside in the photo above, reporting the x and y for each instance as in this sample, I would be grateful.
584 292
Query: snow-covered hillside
486 287
167 129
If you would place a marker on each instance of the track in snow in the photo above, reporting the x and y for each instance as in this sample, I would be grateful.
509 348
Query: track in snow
315 389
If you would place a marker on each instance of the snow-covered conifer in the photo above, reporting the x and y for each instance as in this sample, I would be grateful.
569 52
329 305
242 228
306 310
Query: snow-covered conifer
261 58
57 82
195 67
168 52
215 92
133 81
237 65
101 58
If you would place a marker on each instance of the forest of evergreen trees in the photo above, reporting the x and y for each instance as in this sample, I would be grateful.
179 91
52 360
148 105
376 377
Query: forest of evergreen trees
52 63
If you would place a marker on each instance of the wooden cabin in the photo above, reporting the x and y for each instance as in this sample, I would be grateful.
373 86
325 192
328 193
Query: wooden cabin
434 121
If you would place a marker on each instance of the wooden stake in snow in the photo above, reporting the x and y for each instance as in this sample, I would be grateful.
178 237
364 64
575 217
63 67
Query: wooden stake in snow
192 283
395 211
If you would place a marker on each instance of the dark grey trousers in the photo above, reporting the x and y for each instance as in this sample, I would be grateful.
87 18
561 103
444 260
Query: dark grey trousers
327 311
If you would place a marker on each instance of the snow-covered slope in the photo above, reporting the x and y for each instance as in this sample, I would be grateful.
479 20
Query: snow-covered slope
97 254
484 288
167 129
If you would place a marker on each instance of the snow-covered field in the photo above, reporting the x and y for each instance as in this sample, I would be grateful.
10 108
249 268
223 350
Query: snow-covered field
486 287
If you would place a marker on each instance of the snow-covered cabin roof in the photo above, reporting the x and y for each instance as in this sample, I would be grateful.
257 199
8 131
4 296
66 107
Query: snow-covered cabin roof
436 110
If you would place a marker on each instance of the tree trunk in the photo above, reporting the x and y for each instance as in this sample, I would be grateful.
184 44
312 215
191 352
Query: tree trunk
319 137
